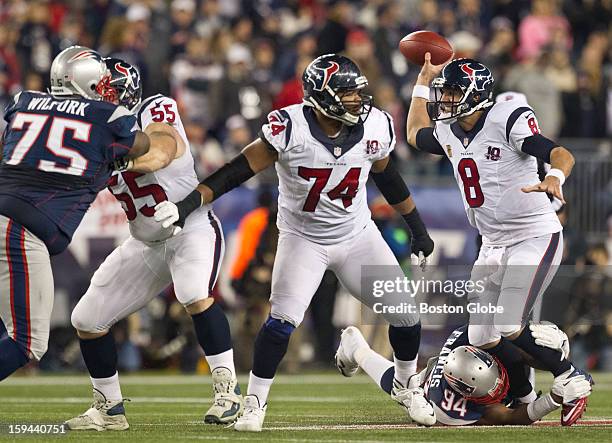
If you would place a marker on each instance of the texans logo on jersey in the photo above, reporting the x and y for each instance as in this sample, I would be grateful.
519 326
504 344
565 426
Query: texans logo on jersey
478 76
319 77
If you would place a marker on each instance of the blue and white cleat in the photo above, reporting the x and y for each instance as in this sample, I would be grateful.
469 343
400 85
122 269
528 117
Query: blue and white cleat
227 406
104 415
350 341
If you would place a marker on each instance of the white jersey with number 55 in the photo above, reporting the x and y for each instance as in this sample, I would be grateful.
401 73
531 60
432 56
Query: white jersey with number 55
322 181
139 193
490 169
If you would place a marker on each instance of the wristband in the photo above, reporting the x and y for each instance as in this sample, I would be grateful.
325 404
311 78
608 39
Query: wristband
557 173
420 91
536 410
415 224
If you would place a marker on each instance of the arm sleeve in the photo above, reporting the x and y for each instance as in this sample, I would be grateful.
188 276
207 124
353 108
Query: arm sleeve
426 141
123 127
276 132
539 146
391 184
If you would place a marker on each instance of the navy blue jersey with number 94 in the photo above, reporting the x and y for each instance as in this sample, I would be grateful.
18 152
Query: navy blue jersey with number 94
56 156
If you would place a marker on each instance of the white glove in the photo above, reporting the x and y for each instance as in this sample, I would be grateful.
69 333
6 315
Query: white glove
571 389
550 336
167 214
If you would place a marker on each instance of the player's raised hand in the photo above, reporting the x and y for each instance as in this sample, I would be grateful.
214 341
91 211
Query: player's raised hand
429 71
550 185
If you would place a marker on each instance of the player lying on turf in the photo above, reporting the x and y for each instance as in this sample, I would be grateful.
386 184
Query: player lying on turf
466 385
493 149
150 260
324 150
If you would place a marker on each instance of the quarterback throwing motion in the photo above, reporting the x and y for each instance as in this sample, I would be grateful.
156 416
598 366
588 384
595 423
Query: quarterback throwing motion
494 150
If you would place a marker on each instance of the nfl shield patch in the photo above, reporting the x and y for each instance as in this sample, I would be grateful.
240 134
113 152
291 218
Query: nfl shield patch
337 151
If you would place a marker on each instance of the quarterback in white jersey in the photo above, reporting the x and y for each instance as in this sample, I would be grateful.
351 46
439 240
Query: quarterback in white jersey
150 260
324 149
494 150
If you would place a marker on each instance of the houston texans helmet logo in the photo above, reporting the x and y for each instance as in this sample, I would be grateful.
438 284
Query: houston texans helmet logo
319 76
132 75
478 75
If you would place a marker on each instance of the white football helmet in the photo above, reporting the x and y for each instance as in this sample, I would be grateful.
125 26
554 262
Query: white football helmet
78 70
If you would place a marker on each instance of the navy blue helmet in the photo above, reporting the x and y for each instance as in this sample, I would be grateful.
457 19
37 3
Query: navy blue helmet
466 78
327 79
125 84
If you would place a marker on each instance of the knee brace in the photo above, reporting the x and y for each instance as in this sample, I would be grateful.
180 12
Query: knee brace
278 328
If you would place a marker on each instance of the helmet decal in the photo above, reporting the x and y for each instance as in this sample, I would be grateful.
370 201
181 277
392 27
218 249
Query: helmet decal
84 55
320 76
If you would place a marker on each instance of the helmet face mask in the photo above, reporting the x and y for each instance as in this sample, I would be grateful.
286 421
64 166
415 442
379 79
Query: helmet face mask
333 84
123 87
464 87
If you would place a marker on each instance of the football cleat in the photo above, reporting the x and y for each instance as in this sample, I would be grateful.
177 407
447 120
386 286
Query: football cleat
418 407
228 401
350 340
253 417
575 395
104 415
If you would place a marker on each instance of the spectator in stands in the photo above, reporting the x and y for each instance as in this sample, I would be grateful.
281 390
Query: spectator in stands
543 27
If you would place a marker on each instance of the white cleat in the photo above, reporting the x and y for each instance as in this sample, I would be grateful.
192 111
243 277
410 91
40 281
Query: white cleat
253 416
104 415
418 407
350 340
227 406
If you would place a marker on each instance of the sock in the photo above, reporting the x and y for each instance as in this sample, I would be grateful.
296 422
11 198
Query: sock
108 386
550 358
404 369
405 342
223 360
270 347
11 357
213 331
528 398
260 387
377 367
100 355
512 360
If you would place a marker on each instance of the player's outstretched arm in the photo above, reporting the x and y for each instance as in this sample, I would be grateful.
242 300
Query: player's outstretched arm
166 145
561 162
254 158
418 118
392 186
152 150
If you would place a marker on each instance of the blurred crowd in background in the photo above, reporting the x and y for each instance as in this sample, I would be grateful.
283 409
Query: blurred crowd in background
227 63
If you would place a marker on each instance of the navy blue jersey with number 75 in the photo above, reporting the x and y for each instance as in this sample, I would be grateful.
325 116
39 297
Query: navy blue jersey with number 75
56 156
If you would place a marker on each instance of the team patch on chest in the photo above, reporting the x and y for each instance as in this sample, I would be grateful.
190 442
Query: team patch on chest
493 153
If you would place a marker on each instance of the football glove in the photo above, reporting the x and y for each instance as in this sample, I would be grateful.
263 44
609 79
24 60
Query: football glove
571 388
550 336
167 213
123 164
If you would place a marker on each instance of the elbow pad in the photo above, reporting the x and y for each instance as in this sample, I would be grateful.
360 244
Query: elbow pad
229 176
391 184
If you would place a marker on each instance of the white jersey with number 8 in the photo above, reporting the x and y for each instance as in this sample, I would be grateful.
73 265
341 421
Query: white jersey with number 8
490 169
322 181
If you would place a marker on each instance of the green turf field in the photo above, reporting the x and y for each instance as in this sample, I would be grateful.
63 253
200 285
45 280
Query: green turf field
303 408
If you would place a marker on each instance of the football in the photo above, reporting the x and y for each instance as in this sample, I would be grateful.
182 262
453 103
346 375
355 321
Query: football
416 44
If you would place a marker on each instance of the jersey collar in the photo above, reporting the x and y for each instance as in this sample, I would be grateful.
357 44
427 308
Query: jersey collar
336 147
466 137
